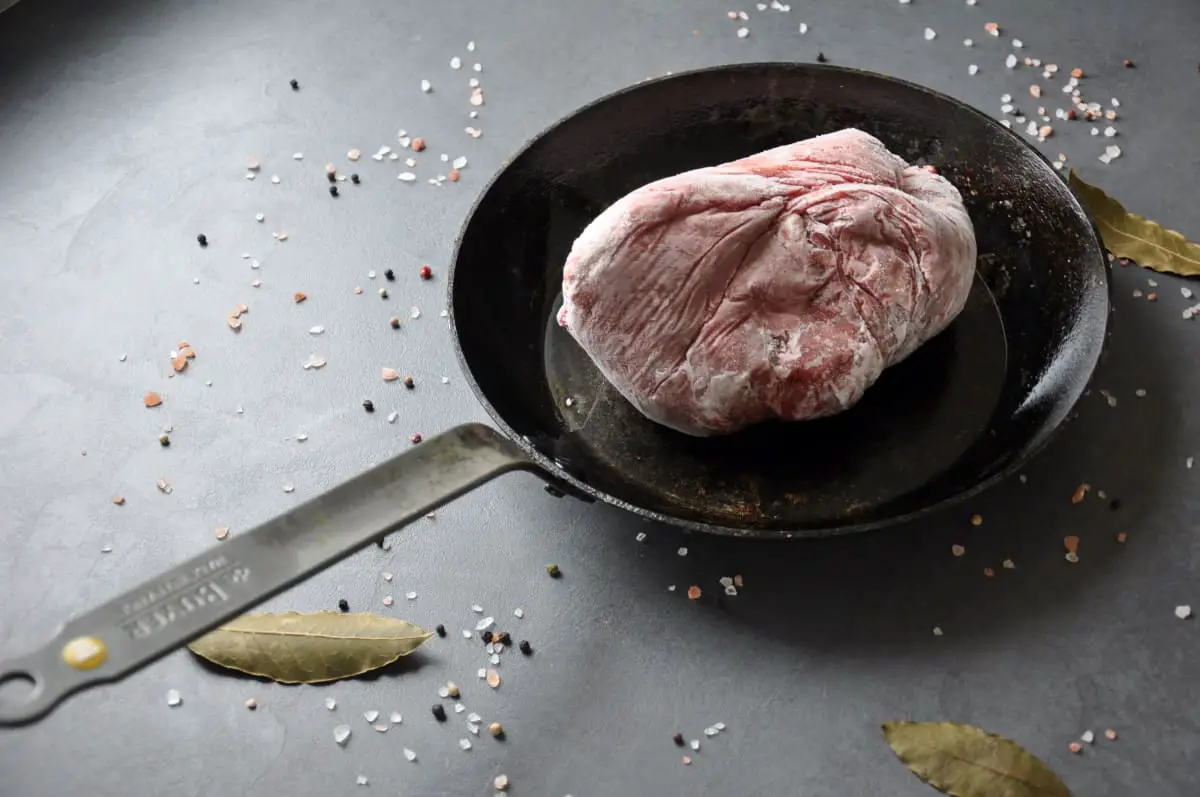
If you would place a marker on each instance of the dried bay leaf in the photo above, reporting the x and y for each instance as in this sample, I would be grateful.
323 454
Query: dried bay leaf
311 648
964 761
1131 236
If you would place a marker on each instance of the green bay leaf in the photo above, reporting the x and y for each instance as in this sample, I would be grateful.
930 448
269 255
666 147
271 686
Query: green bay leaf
295 648
964 761
1129 235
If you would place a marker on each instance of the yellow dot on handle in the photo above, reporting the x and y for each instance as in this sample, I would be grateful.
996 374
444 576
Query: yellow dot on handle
85 653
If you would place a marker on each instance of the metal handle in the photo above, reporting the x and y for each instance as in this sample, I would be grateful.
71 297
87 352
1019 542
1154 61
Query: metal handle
135 628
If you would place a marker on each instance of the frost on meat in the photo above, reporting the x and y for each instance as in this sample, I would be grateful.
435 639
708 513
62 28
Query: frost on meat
777 286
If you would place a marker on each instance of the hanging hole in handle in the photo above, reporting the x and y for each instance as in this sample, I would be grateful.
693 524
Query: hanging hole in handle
17 688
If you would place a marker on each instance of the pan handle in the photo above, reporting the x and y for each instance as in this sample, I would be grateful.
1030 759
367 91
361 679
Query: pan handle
133 629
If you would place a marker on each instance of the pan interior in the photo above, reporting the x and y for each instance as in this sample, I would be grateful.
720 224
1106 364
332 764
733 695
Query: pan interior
968 405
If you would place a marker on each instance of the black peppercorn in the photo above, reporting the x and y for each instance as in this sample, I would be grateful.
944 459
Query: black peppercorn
409 383
391 275
164 441
344 605
383 294
354 178
332 176
487 637
553 571
678 739
821 58
441 630
295 84
1114 504
368 405
504 638
395 322
525 647
439 712
202 239
333 190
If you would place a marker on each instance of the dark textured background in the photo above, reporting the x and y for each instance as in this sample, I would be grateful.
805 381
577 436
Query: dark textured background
123 127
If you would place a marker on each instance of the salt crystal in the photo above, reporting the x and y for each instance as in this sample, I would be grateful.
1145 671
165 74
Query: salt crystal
930 34
395 718
1115 102
711 731
1095 131
1113 151
482 673
416 313
957 550
695 744
370 716
1105 158
1018 43
973 69
1005 98
1189 462
640 536
470 47
409 754
392 416
444 157
361 780
426 86
445 380
316 330
341 733
1183 612
1110 131
313 363
275 179
495 659
460 162
743 33
1186 292
444 692
455 62
478 67
106 549
406 177
464 744
251 175
289 488
905 2
1010 61
1088 737
937 630
473 728
301 437
1008 564
968 43
519 613
388 600
299 156
475 607
1072 557
330 703
173 698
972 2
380 727
459 708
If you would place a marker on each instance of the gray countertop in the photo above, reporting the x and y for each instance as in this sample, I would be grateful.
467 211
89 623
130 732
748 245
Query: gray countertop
123 130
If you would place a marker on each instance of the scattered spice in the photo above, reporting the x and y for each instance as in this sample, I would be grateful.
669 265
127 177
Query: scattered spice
1128 64
1075 747
553 571
441 630
821 59
678 739
164 486
152 399
383 293
989 572
251 703
299 296
368 405
493 678
294 84
1110 734
164 440
439 713
389 275
119 500
202 239
454 175
1080 492
416 438
496 729
525 647
500 782
487 637
221 533
343 605
1077 73
333 191
409 383
693 593
394 322
976 520
1071 544
418 144
426 272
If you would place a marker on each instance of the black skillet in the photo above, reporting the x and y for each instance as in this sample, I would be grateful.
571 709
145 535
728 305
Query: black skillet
966 409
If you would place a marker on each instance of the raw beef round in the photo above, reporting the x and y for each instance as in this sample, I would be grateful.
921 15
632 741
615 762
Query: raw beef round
777 286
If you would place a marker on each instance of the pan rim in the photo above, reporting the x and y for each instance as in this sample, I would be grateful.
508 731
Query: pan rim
548 466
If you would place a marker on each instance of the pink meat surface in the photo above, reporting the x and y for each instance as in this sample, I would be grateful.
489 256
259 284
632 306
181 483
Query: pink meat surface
776 286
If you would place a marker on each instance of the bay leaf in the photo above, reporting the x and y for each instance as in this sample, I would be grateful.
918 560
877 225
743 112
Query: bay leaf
295 648
964 761
1131 236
